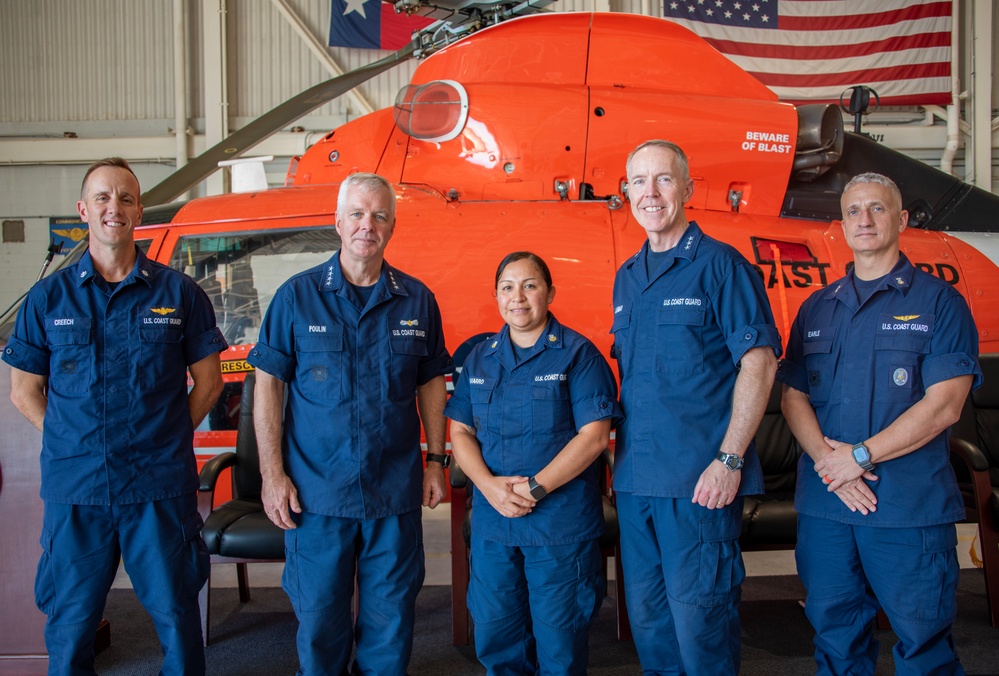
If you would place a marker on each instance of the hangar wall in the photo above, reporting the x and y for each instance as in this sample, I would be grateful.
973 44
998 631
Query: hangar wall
86 79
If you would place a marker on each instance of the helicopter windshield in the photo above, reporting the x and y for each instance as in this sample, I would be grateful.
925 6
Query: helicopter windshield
241 271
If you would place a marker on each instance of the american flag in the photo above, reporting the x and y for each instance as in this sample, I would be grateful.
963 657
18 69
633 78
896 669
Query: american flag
810 51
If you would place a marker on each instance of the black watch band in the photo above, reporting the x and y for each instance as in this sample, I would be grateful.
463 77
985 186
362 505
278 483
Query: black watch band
537 490
443 458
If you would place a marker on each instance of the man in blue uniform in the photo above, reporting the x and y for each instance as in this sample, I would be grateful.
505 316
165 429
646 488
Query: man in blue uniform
359 347
100 354
878 367
696 346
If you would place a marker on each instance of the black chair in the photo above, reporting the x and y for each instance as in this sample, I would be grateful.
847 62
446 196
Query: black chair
975 455
237 531
769 521
461 532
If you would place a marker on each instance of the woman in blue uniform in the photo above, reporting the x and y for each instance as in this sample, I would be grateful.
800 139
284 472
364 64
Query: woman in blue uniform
531 412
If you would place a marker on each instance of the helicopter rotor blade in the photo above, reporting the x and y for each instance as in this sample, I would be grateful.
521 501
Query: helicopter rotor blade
202 166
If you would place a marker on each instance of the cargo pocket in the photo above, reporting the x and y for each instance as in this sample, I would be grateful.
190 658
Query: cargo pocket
550 409
289 579
939 571
319 364
156 369
679 339
72 355
199 560
480 394
718 572
407 353
44 584
818 364
897 360
620 330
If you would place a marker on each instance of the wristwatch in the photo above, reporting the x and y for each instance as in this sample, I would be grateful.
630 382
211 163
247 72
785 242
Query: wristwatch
730 460
537 490
443 458
863 457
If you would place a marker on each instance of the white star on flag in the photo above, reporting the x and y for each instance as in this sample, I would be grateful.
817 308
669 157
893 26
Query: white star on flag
355 6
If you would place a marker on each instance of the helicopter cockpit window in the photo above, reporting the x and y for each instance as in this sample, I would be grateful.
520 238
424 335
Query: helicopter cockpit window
241 271
435 111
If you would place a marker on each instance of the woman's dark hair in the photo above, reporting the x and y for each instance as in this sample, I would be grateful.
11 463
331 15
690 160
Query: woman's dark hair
520 256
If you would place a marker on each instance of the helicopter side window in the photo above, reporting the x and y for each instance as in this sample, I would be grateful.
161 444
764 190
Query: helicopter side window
241 271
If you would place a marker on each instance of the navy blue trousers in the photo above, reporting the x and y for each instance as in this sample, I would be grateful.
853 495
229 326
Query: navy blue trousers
167 562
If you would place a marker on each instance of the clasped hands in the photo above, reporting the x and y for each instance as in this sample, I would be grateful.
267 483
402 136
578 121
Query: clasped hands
509 495
844 477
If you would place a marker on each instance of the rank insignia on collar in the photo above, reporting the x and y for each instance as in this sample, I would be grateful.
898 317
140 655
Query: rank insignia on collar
83 273
495 343
900 281
552 338
145 273
690 242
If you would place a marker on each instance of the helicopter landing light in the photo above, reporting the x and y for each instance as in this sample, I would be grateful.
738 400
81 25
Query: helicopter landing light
434 112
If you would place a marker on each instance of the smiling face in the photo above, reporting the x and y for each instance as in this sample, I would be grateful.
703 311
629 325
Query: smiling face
873 219
523 297
658 187
110 207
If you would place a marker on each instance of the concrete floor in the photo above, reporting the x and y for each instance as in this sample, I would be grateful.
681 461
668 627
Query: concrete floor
437 544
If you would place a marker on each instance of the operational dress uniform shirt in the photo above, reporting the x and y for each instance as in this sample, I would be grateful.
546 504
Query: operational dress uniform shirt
118 428
922 333
351 425
862 366
678 338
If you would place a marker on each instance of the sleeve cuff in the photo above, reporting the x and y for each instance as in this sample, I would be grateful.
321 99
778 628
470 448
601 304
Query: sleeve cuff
440 365
947 366
792 375
598 408
459 410
748 337
25 357
203 345
269 360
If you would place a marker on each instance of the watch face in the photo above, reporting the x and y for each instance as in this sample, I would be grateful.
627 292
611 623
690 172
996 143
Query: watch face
860 454
732 461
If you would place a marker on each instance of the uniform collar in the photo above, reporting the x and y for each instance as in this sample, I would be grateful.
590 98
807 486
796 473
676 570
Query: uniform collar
900 279
685 248
142 270
501 347
389 280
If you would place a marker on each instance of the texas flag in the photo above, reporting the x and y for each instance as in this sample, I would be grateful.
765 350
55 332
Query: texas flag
371 24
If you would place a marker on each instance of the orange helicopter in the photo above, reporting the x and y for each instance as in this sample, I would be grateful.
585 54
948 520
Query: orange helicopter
513 135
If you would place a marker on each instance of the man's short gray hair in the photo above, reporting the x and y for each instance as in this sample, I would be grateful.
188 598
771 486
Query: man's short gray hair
665 145
880 179
366 181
